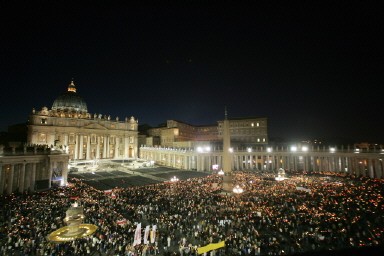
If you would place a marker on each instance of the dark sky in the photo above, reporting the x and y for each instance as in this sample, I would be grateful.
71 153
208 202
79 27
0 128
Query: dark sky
313 68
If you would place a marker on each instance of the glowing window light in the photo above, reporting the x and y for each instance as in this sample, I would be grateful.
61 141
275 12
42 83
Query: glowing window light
304 148
293 148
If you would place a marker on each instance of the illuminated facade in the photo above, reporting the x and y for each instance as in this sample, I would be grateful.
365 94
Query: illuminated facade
350 161
243 132
32 168
69 125
246 131
245 144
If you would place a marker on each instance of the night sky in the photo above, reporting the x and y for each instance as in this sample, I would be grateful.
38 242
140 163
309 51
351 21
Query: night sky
313 68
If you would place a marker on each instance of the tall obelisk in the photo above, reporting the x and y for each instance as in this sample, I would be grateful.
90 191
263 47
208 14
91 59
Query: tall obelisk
227 157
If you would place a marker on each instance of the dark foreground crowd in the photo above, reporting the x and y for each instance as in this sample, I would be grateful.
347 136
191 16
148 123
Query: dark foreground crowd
303 214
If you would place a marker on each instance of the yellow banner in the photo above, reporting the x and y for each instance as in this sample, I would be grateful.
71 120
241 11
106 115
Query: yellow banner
210 247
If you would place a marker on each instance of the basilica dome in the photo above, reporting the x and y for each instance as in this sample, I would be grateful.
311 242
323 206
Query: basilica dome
70 101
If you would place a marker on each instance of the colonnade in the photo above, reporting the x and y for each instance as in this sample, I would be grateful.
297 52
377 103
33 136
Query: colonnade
32 172
346 161
91 146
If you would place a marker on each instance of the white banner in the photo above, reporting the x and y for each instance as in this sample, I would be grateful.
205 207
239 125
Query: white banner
146 234
137 237
303 189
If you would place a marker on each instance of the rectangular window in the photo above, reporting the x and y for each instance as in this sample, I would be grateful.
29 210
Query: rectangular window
43 120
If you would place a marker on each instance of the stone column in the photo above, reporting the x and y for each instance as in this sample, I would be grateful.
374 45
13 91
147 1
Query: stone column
33 177
10 180
186 163
22 178
126 147
108 153
50 171
76 146
174 160
105 147
81 146
117 147
65 139
98 147
210 161
2 179
88 156
371 168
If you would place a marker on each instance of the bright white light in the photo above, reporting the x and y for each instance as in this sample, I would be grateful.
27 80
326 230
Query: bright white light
280 178
199 149
174 179
293 148
238 190
249 150
269 149
304 148
230 150
221 172
207 148
332 150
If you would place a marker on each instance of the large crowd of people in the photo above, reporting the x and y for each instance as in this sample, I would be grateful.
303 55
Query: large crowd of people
314 212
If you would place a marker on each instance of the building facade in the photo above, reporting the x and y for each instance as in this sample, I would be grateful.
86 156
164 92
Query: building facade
84 136
32 168
247 132
350 161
